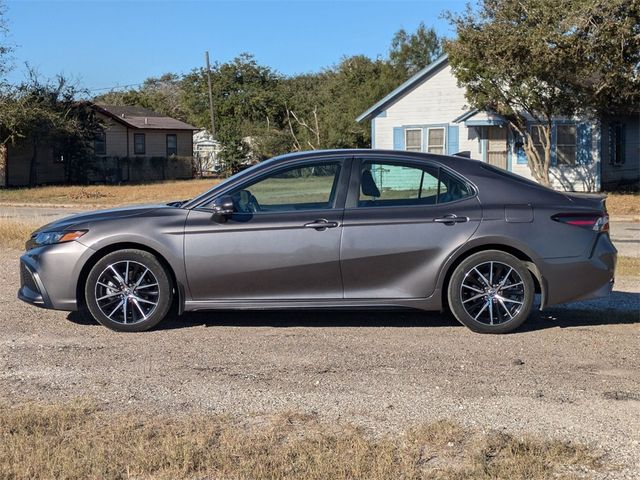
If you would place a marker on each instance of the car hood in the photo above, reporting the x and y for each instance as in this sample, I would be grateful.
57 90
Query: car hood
100 215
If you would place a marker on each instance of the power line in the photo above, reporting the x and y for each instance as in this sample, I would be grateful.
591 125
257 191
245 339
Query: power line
115 87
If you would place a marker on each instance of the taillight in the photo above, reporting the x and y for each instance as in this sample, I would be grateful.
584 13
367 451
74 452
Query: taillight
598 222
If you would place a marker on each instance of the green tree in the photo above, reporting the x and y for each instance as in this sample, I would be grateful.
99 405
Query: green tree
47 114
533 60
5 48
411 52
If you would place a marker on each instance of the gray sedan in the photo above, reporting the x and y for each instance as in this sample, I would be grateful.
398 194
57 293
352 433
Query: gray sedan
332 229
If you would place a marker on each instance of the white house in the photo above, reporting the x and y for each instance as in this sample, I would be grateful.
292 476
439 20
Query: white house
206 150
428 113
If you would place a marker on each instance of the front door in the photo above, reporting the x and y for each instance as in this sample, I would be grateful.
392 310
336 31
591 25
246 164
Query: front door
400 226
497 147
282 242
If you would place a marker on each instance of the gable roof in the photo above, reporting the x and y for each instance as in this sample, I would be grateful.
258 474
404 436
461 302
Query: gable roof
418 79
142 118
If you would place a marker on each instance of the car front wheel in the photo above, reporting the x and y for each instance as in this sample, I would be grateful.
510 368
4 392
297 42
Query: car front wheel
491 292
128 290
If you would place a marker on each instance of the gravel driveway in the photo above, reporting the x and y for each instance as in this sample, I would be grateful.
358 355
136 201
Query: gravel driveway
571 373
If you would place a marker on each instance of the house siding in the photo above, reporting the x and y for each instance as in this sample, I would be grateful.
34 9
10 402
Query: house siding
439 101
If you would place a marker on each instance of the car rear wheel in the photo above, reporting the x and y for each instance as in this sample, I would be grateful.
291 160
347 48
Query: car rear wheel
491 292
128 291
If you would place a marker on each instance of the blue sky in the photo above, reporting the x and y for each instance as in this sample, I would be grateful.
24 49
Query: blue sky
107 43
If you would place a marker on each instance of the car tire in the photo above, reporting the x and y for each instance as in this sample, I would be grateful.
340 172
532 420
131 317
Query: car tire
128 291
491 292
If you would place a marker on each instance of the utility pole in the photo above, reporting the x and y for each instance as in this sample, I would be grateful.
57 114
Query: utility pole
213 127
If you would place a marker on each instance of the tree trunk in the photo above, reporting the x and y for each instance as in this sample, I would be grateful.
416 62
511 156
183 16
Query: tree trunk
539 164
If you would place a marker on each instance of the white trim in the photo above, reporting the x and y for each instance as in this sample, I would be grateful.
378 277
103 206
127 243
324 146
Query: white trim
407 130
444 139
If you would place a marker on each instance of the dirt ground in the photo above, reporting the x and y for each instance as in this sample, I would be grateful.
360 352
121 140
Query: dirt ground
571 372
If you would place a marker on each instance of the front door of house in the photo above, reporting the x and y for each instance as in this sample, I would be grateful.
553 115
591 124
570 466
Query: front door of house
497 146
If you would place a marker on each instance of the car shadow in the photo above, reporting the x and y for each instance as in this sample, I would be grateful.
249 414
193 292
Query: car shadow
618 308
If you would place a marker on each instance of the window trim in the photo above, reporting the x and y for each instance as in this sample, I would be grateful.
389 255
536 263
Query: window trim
444 140
174 135
555 144
144 144
353 194
554 141
414 129
342 186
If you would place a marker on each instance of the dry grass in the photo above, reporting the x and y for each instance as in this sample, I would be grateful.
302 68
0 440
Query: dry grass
623 204
107 195
77 440
14 234
628 267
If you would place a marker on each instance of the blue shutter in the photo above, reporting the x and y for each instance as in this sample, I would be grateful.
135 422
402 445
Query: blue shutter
398 138
584 154
453 145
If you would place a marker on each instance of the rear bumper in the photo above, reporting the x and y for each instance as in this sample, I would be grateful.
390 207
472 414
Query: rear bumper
571 279
49 275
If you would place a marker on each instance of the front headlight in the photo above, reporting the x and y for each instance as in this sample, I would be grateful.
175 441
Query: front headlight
48 238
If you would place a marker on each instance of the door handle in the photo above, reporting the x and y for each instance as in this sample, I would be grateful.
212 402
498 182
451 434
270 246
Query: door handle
451 219
321 224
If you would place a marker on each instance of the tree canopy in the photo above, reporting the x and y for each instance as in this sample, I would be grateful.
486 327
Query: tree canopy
261 113
533 60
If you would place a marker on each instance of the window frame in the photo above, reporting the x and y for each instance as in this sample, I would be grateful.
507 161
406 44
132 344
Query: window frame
444 140
354 184
175 136
135 145
103 151
341 186
414 129
556 145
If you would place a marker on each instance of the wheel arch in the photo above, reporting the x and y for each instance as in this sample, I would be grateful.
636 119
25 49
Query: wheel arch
519 253
100 253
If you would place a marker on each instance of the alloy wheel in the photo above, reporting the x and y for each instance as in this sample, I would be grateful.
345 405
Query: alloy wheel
127 292
492 293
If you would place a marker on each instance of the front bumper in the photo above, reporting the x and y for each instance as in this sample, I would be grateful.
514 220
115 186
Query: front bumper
571 279
49 275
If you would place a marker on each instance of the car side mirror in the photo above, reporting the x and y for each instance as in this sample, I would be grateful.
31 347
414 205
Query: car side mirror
222 208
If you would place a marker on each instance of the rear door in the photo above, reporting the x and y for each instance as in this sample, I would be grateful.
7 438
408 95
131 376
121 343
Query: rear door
401 222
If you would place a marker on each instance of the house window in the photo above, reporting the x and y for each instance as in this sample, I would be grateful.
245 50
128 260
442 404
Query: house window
413 139
566 145
139 144
435 140
172 144
100 143
616 144
537 134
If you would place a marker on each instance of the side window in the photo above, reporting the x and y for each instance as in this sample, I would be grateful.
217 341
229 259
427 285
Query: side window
391 184
172 144
139 144
309 187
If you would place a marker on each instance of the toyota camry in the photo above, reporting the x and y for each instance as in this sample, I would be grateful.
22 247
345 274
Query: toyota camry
332 229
